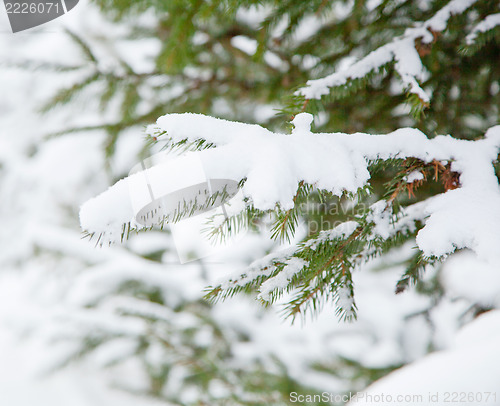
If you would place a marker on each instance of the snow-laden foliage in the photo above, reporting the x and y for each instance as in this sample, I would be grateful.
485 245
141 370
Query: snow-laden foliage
273 165
489 23
129 324
402 51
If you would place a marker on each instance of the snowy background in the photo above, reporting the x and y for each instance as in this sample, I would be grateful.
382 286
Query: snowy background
57 289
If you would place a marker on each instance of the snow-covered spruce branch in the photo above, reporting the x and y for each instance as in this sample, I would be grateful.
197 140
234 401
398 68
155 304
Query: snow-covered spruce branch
482 32
275 165
489 23
401 51
322 266
316 269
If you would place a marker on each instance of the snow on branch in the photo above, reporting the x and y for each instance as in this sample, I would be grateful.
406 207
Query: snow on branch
286 269
400 50
489 23
274 164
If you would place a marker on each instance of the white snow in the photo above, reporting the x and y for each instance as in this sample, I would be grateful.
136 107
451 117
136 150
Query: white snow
487 24
245 44
260 267
466 277
112 210
345 300
440 19
343 230
470 369
281 280
382 217
414 176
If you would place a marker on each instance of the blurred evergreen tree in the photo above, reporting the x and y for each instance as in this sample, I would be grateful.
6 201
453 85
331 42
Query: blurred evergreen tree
245 60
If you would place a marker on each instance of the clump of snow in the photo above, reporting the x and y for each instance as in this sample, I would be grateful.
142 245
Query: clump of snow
487 24
253 15
439 21
467 217
402 51
345 300
343 230
302 123
279 282
245 44
261 267
108 212
383 219
414 176
465 276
